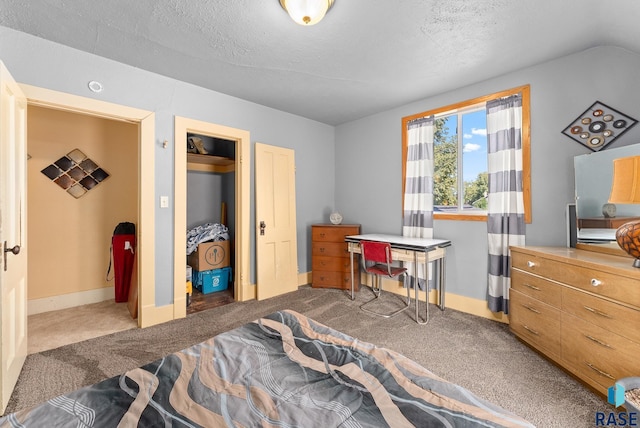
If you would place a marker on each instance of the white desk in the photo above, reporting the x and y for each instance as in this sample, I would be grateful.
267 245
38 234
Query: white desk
417 250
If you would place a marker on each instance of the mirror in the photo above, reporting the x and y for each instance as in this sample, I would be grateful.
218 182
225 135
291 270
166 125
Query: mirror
593 176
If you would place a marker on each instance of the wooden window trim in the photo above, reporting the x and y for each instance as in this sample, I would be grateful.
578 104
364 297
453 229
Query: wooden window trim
526 147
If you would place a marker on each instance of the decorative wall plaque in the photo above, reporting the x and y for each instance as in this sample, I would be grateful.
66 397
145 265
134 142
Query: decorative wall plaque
598 126
75 173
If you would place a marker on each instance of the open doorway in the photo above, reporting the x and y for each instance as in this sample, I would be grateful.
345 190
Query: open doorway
82 177
237 141
210 216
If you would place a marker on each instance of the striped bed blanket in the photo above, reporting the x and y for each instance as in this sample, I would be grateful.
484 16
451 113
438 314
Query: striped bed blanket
282 370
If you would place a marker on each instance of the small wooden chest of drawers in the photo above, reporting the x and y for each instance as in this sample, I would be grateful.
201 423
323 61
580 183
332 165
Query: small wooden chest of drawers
579 308
330 261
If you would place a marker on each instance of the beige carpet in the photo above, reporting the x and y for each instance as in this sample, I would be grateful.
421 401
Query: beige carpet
475 353
50 330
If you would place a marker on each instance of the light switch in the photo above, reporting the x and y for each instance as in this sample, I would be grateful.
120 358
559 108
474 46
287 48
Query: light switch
164 202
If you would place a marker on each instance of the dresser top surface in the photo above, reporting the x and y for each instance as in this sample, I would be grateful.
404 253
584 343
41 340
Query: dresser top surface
620 265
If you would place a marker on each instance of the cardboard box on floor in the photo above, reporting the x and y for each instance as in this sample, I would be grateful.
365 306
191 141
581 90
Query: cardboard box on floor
210 255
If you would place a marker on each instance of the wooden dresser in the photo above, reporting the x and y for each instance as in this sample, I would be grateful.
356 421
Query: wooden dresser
579 308
330 261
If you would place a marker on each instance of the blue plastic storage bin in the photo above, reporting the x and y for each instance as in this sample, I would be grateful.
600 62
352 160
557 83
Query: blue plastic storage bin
210 281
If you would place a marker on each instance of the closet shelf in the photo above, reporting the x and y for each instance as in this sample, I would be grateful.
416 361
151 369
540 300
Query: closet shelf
209 163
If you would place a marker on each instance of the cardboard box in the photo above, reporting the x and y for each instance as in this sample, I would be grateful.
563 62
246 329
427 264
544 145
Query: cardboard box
210 281
210 255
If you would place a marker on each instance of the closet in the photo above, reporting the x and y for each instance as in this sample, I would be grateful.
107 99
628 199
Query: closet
70 223
211 199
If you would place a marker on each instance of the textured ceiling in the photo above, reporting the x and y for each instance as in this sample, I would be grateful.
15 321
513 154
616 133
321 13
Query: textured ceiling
366 56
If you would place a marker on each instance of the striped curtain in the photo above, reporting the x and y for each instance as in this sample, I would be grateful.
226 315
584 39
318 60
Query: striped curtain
417 221
505 220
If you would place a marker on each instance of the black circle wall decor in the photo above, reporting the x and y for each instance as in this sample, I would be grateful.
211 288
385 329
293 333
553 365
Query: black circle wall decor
597 126
600 121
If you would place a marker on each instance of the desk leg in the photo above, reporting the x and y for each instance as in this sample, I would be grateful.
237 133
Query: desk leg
416 287
442 280
353 294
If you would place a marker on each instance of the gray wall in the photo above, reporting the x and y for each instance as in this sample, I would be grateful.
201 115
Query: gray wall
368 154
337 168
42 63
204 198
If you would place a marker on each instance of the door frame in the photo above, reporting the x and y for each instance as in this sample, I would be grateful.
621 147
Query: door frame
148 314
243 289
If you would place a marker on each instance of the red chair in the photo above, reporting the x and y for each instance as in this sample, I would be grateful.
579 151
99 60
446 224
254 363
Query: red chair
376 260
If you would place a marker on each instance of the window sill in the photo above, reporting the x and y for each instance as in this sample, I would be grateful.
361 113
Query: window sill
460 217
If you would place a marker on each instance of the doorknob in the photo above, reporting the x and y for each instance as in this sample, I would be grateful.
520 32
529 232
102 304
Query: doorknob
262 227
15 250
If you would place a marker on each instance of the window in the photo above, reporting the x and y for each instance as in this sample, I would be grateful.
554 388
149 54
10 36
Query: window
460 179
460 161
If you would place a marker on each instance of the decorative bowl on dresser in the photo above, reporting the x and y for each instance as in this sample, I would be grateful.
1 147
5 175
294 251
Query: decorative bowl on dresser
579 308
330 262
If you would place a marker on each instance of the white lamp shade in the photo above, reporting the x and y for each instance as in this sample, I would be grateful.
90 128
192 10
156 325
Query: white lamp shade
306 12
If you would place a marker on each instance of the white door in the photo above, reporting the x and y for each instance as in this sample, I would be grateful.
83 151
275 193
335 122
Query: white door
276 242
13 237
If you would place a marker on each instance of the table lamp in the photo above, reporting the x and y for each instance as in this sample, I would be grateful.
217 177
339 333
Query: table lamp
625 189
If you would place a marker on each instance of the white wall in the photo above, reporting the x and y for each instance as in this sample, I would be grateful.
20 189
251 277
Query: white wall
42 63
368 154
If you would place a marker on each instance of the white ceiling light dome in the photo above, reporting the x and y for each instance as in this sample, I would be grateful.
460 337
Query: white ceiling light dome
306 12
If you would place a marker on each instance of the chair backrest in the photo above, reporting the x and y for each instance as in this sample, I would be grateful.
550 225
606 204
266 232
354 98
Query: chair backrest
378 252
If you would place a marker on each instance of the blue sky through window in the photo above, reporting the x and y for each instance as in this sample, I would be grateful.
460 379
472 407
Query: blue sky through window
474 142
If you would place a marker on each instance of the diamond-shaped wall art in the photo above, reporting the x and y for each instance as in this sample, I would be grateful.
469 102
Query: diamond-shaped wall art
75 173
598 126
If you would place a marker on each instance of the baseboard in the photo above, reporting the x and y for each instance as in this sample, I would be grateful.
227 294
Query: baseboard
304 278
69 300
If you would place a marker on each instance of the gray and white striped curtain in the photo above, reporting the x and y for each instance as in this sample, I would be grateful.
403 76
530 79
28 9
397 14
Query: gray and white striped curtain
417 220
505 220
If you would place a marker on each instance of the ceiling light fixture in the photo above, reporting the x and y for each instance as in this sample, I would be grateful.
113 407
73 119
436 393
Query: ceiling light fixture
306 12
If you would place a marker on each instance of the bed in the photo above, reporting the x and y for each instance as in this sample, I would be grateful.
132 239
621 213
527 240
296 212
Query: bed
285 370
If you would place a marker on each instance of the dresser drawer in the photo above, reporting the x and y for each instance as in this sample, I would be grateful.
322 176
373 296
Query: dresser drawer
334 279
598 353
330 249
336 264
535 322
603 313
539 288
332 233
598 282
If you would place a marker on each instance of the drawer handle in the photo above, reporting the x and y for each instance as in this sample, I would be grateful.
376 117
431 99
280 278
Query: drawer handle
530 330
533 287
597 312
531 264
598 341
595 282
597 370
534 310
